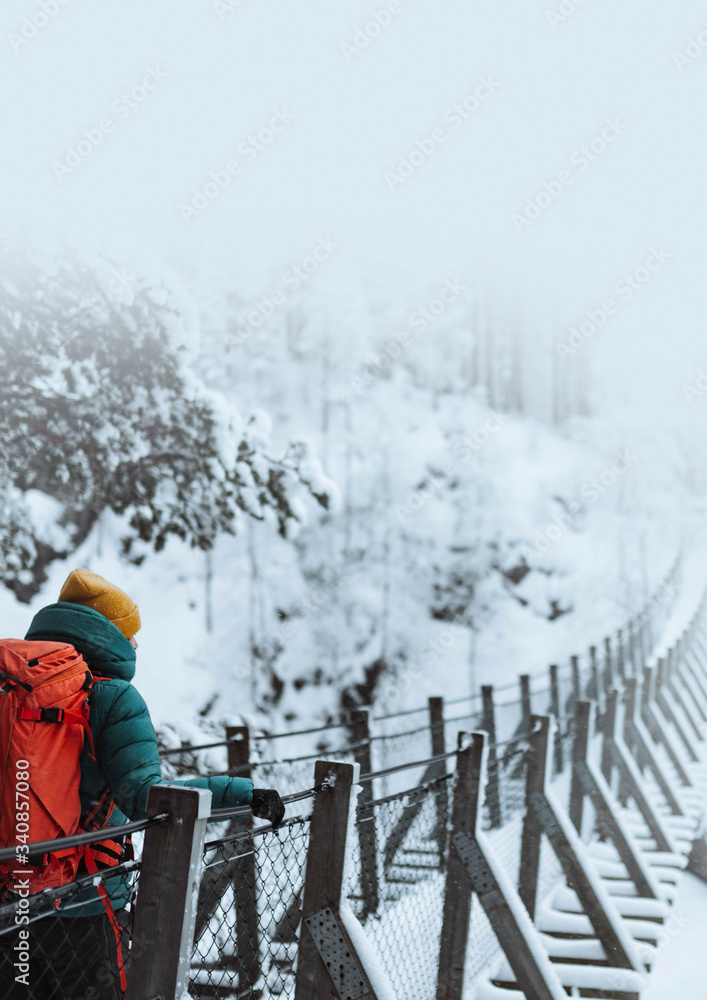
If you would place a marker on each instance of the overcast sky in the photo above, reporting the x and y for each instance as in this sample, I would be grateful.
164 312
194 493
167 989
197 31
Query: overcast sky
541 84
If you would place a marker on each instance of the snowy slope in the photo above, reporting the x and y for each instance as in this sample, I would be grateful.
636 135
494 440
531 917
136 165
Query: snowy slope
678 972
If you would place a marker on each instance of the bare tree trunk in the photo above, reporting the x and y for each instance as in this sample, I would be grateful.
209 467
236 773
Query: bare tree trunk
348 512
253 612
385 616
208 589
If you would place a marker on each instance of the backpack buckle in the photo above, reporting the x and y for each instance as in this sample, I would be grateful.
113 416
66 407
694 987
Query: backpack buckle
12 680
52 715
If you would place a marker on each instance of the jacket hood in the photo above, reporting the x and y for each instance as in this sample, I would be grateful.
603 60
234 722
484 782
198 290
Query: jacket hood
102 645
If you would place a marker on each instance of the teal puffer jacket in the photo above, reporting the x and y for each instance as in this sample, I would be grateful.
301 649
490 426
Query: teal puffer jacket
126 757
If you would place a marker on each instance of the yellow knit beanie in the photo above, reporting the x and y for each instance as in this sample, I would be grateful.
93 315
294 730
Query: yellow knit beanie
93 591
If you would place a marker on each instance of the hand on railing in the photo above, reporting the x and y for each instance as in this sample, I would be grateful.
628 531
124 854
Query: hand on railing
268 805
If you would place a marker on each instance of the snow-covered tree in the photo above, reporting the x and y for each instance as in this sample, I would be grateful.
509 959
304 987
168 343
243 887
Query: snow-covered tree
100 411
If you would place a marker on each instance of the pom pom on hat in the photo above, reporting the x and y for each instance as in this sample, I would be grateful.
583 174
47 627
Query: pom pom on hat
93 591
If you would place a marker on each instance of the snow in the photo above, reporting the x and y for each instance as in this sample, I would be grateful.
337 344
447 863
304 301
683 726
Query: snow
45 512
367 954
678 969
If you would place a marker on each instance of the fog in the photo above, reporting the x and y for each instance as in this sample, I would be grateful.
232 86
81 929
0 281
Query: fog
356 108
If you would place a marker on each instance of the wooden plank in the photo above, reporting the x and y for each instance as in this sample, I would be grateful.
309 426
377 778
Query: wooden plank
488 724
324 880
580 746
436 715
456 917
367 838
594 784
602 915
697 665
697 674
661 698
697 861
608 816
532 828
699 651
655 727
285 931
535 976
642 749
472 867
697 692
632 782
674 683
165 914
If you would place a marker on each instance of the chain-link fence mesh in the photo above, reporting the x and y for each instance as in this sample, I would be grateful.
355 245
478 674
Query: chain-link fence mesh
398 748
396 881
249 913
64 943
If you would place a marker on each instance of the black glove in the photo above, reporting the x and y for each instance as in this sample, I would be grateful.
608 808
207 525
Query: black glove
267 804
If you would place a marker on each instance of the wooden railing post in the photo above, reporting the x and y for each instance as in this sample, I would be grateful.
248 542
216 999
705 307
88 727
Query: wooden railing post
438 747
525 705
608 667
244 879
593 687
620 660
631 649
532 828
608 732
644 640
163 930
522 730
360 731
557 762
456 918
580 746
328 963
488 724
576 679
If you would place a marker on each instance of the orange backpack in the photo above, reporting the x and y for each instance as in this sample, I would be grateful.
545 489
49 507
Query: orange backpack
44 689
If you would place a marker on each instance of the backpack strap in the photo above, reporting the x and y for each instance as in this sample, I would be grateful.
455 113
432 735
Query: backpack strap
112 918
11 679
59 715
101 812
